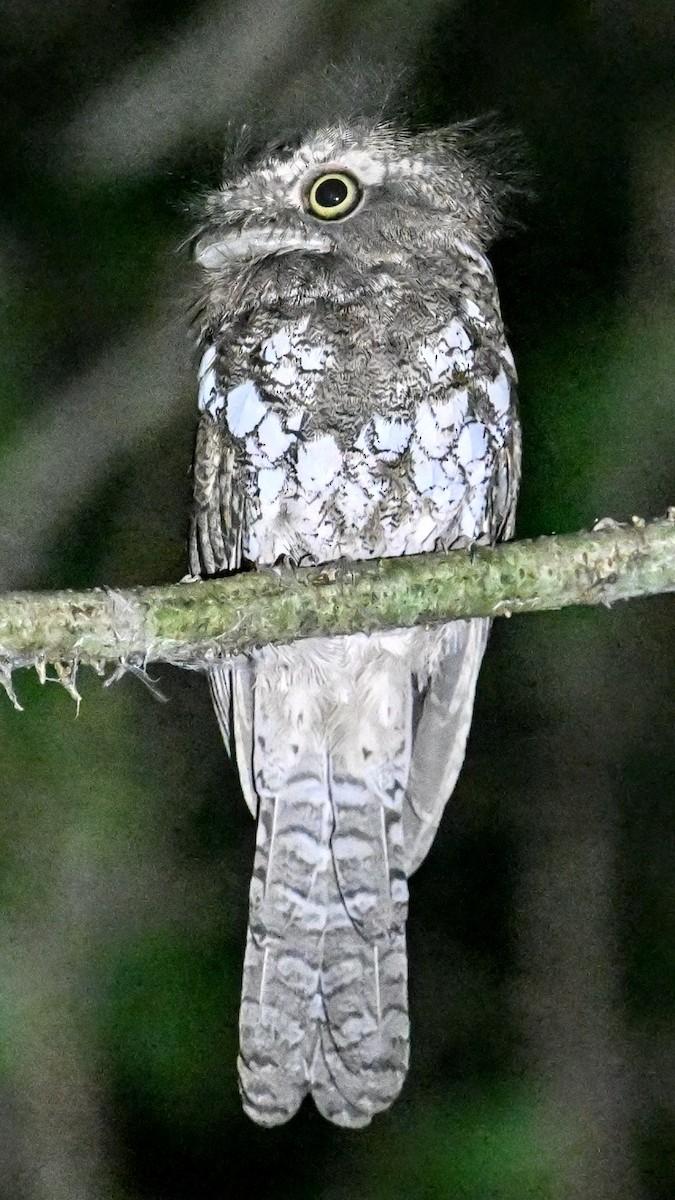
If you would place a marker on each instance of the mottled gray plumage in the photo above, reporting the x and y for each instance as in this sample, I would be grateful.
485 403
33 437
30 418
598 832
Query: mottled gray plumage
357 400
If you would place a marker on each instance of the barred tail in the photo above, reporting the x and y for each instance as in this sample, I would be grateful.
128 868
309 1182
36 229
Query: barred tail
324 1000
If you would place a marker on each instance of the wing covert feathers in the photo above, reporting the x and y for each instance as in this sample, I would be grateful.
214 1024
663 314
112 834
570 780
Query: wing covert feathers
217 511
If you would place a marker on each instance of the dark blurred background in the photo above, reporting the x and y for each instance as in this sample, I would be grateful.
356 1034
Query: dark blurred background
542 924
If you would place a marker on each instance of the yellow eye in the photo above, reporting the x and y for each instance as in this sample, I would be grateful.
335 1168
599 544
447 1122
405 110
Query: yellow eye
333 195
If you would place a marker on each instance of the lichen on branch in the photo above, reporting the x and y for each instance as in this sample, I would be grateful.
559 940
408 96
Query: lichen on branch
194 623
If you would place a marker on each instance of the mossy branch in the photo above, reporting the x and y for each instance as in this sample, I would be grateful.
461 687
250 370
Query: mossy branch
196 622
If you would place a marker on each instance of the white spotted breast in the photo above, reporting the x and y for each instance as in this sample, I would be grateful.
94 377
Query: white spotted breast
420 473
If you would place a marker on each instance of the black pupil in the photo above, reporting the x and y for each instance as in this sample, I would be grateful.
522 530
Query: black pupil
331 192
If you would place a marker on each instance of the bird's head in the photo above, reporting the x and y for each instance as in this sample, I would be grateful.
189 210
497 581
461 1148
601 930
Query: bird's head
346 212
